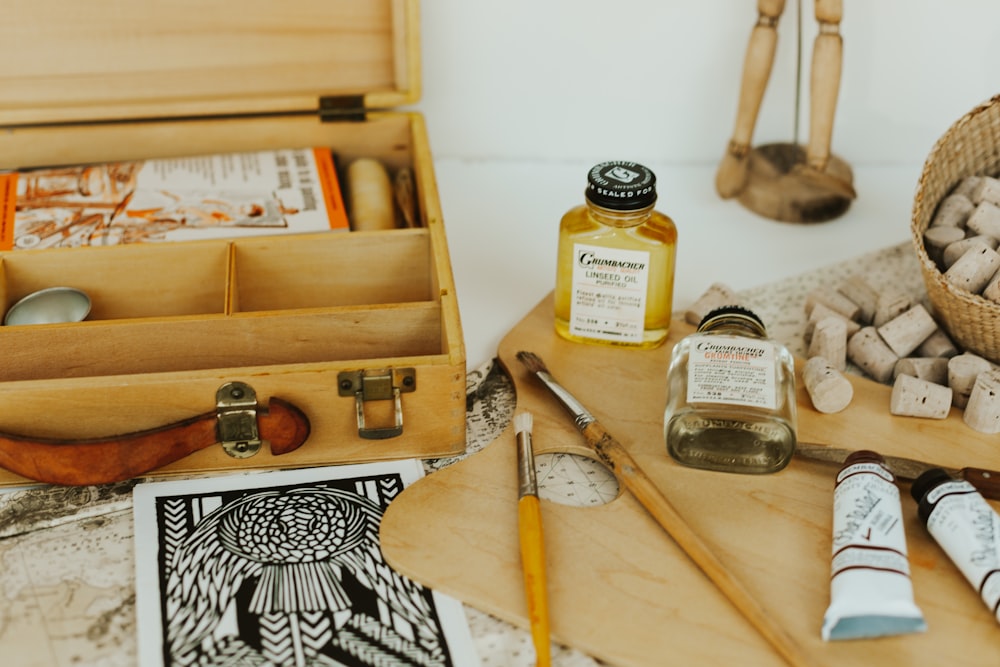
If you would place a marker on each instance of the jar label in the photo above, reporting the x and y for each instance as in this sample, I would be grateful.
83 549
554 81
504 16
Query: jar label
609 293
732 370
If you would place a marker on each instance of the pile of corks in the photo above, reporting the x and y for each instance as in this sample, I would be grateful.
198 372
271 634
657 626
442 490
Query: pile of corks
963 236
892 339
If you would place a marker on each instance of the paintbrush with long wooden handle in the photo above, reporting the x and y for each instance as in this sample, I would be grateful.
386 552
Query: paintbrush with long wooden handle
529 528
617 458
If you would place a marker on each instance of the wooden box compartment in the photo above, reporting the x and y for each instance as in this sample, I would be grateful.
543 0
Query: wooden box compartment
171 322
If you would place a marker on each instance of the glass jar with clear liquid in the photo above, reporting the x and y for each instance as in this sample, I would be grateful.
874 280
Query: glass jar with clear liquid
731 396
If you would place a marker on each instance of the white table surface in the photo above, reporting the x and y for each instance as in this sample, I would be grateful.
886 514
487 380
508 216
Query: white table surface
502 219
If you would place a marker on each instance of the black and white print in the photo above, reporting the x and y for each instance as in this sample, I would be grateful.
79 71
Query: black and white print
284 569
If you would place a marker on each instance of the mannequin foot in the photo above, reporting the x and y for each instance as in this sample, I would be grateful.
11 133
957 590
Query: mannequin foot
824 180
731 177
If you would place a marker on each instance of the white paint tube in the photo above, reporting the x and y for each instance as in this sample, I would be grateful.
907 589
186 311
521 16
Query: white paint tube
966 527
871 594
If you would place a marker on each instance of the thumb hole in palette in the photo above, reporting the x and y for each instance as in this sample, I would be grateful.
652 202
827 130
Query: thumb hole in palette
574 480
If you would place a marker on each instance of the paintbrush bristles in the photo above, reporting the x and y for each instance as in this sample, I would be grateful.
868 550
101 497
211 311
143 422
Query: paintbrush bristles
532 362
523 422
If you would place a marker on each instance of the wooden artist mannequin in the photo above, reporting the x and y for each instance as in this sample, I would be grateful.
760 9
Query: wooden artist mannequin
784 181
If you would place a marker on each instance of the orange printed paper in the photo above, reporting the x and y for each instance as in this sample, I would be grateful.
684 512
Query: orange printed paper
200 197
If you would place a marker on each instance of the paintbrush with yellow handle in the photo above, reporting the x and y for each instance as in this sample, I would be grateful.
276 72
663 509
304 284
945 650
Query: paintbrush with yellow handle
529 523
617 458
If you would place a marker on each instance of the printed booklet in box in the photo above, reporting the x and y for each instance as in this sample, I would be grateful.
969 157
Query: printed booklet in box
211 196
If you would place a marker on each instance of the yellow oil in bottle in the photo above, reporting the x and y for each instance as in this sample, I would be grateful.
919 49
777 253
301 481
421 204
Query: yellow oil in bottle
615 264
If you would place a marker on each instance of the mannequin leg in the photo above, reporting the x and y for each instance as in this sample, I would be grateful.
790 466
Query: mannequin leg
731 176
824 86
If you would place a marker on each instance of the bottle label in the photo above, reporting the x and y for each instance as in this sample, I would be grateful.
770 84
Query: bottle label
732 370
609 293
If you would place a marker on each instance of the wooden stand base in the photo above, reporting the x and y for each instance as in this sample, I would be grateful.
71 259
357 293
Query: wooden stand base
780 186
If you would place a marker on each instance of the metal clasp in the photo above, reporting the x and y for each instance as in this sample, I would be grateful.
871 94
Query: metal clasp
236 423
378 385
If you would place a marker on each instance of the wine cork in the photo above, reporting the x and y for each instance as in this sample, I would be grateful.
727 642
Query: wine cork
955 250
985 219
819 313
974 269
931 369
859 291
833 300
936 239
953 211
905 332
992 289
370 195
913 397
891 303
829 341
968 187
982 412
985 188
962 372
868 351
827 387
938 344
716 296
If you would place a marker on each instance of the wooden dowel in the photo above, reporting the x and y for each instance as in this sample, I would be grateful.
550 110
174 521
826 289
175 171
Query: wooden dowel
617 458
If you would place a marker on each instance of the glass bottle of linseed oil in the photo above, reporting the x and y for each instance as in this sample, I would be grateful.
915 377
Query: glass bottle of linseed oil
615 274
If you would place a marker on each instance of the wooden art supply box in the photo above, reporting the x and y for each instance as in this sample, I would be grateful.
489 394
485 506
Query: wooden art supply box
360 330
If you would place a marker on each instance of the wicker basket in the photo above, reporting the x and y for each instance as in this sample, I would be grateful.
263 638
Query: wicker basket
970 147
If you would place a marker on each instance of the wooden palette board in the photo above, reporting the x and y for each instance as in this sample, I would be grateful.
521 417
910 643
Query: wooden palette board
620 589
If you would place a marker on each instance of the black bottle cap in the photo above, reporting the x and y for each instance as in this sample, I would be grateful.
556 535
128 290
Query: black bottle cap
621 186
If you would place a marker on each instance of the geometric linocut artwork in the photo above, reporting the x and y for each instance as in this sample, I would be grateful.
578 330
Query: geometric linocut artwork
284 568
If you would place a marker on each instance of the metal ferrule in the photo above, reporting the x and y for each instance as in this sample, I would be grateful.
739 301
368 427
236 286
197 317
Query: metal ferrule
527 484
581 416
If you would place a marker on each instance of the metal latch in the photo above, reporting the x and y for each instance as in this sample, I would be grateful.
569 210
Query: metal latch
236 423
378 385
334 108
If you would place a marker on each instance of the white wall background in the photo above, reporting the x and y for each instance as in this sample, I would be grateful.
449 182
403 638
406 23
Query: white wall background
657 80
521 97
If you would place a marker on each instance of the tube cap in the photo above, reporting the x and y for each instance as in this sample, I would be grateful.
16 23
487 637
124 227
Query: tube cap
924 484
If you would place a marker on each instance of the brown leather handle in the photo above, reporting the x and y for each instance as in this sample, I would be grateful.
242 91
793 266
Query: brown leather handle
107 460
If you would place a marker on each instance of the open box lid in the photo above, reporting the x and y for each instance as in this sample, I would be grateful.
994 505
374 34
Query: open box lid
79 62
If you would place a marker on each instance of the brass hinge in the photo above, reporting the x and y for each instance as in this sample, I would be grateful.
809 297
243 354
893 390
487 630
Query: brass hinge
236 424
333 108
378 385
